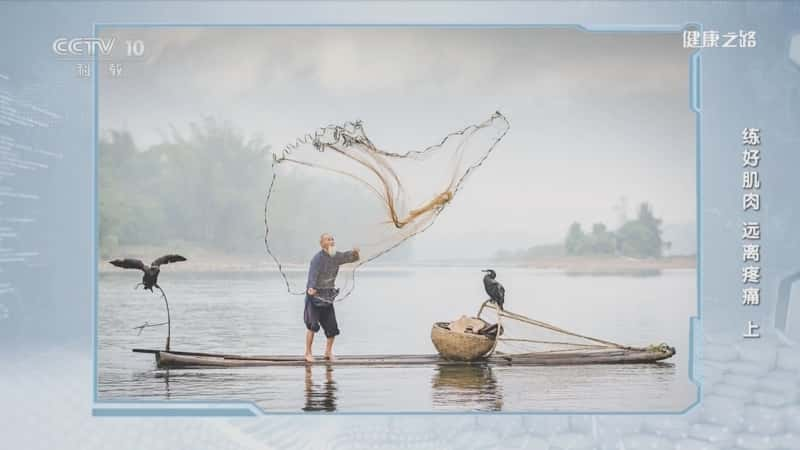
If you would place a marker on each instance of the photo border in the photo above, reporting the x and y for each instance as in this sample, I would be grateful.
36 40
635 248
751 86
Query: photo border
245 408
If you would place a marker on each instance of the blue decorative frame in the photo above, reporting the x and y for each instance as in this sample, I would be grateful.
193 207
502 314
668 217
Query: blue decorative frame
169 408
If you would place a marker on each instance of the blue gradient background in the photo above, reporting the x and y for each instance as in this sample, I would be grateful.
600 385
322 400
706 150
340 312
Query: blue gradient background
750 389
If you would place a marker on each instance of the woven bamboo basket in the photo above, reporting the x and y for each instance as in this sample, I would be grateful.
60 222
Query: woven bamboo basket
457 346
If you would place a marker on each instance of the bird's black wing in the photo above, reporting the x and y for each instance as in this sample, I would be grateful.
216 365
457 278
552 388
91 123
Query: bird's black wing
488 283
492 289
501 291
128 263
166 259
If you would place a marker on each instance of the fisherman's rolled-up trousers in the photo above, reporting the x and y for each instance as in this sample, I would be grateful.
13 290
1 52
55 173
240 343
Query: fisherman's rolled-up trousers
315 316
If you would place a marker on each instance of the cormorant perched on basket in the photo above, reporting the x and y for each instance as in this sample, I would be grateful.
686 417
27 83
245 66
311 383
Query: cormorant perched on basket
151 272
496 291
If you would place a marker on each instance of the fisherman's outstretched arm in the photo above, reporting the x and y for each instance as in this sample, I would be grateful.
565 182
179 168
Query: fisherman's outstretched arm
347 257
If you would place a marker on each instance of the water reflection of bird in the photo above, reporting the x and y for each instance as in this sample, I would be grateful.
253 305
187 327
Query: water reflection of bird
150 278
496 291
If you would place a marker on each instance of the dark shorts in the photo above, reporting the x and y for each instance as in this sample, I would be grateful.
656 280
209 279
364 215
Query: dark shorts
314 316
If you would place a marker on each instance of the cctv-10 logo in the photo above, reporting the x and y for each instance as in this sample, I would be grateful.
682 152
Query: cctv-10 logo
87 46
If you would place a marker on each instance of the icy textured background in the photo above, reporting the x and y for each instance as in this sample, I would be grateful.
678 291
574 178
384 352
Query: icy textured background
749 388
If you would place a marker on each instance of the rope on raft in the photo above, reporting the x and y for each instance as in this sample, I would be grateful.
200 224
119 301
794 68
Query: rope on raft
534 341
527 320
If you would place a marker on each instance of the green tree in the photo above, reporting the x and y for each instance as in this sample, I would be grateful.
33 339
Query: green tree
205 188
575 243
602 241
641 238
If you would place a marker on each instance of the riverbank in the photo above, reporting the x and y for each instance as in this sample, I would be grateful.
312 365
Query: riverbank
207 260
612 265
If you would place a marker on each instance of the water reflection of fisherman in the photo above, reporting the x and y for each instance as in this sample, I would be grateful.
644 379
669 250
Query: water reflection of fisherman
320 398
321 291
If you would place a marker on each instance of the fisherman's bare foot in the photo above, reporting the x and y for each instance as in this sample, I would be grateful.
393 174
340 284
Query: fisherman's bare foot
309 358
330 358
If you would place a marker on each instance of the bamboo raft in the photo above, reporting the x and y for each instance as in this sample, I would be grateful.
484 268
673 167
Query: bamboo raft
195 360
455 346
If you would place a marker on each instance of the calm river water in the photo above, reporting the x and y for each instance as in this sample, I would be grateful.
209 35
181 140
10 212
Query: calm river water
391 312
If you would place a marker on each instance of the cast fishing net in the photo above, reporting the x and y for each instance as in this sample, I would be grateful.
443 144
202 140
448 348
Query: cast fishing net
337 181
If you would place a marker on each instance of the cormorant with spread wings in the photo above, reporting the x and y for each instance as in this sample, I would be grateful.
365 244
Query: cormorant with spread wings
150 278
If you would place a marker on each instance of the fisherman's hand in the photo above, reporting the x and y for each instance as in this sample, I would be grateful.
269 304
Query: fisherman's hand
356 252
312 291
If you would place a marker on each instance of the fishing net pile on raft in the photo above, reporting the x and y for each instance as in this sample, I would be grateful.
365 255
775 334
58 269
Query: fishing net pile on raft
337 181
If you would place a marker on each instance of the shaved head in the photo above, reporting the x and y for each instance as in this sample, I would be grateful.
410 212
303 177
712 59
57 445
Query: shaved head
326 240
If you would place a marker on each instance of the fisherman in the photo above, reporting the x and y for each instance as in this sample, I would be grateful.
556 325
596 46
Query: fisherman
321 291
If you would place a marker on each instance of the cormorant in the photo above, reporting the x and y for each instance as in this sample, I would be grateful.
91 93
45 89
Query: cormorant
151 272
496 291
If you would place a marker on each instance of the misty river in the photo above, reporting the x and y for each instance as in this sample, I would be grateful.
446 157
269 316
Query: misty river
391 312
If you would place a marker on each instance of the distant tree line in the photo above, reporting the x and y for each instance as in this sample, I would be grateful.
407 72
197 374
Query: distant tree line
207 187
638 238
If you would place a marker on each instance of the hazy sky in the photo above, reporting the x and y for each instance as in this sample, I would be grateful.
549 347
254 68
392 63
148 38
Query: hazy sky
594 116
